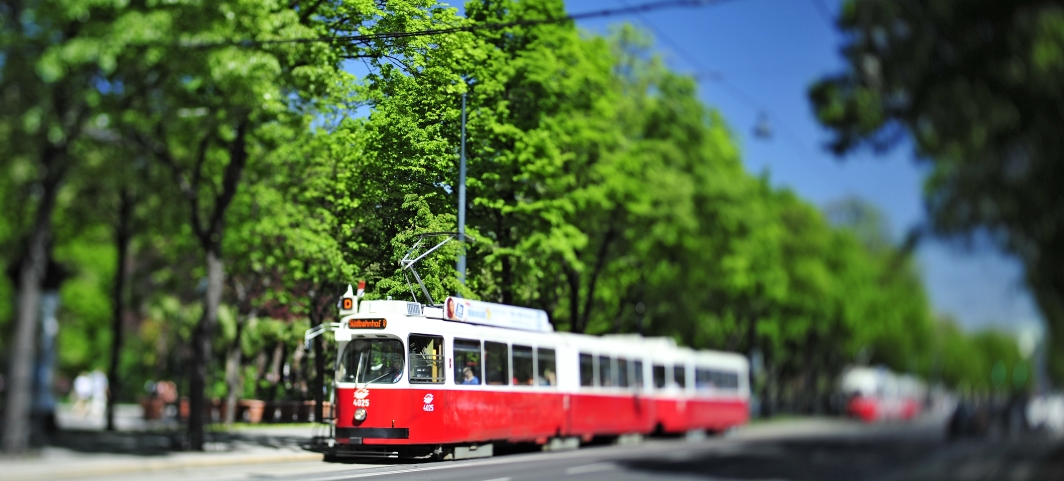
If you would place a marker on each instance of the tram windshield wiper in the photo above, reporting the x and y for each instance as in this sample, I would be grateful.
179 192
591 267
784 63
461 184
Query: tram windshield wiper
358 370
382 376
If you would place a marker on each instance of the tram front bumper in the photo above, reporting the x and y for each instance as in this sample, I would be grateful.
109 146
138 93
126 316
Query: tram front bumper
356 435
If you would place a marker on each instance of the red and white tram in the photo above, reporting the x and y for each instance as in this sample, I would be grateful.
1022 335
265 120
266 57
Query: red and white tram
450 380
878 394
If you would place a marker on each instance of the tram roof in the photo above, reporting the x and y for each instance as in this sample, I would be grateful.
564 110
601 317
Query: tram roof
427 319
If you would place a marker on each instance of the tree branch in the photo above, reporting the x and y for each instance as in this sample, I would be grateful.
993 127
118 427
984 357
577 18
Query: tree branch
310 11
573 278
165 157
238 157
197 178
600 264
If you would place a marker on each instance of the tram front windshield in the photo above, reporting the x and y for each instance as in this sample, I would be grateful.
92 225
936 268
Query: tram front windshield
377 361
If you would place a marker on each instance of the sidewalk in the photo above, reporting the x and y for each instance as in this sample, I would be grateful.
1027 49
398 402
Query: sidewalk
84 449
89 453
926 426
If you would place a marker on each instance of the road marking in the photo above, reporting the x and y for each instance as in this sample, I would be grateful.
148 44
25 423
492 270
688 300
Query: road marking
499 479
591 468
367 475
521 458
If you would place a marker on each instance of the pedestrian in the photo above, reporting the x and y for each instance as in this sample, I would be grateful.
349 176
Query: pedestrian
99 393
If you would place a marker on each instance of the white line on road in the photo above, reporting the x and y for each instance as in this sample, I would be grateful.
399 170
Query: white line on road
591 468
499 479
531 457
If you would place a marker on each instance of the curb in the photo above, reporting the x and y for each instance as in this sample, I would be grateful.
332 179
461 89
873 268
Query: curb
165 465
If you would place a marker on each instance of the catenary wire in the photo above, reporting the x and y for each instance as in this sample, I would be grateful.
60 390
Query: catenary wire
717 77
365 38
824 12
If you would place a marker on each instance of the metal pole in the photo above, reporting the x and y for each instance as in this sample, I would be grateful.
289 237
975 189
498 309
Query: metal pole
461 198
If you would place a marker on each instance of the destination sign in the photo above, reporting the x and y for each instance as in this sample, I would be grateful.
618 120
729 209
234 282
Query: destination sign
367 323
498 315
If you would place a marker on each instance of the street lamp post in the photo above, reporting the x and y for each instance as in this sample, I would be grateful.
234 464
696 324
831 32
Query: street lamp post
462 198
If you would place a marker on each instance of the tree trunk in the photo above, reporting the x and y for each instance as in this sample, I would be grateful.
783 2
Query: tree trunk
274 376
755 353
201 346
296 371
233 378
507 275
210 237
574 300
122 237
260 371
31 272
319 380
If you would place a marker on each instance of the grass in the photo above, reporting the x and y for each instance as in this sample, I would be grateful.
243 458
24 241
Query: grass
242 425
776 419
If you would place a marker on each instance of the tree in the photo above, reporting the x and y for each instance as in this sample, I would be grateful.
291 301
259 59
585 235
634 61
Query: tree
542 131
977 88
113 188
206 116
290 231
205 98
46 103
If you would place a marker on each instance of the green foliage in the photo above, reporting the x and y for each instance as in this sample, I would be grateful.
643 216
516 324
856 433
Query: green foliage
85 307
969 361
977 87
600 189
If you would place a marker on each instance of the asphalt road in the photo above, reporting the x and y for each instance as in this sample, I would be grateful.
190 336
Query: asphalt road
826 451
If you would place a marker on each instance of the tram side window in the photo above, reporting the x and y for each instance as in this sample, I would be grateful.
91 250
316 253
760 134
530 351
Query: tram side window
717 380
497 363
587 370
679 375
545 362
729 380
523 366
606 377
705 379
426 359
467 358
637 367
622 372
659 376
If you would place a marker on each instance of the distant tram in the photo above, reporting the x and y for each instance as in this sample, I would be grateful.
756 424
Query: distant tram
877 394
449 380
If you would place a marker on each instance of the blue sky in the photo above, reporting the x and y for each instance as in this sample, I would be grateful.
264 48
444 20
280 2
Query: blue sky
768 52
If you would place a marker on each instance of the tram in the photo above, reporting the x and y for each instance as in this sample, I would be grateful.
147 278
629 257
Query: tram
449 380
877 394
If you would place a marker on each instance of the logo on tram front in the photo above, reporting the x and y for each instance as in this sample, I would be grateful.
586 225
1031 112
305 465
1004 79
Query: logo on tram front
360 397
428 407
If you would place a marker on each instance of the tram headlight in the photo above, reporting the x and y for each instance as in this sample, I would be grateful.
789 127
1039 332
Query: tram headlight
360 414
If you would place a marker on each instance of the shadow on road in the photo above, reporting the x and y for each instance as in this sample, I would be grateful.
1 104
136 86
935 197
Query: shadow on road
794 460
161 443
829 459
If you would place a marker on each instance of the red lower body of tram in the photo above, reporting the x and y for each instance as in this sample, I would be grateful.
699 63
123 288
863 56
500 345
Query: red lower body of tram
448 416
871 409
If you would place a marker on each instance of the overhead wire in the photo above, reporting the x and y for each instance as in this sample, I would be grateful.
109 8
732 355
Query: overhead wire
824 12
638 10
701 72
366 38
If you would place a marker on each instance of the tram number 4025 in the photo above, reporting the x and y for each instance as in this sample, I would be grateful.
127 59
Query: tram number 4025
362 403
